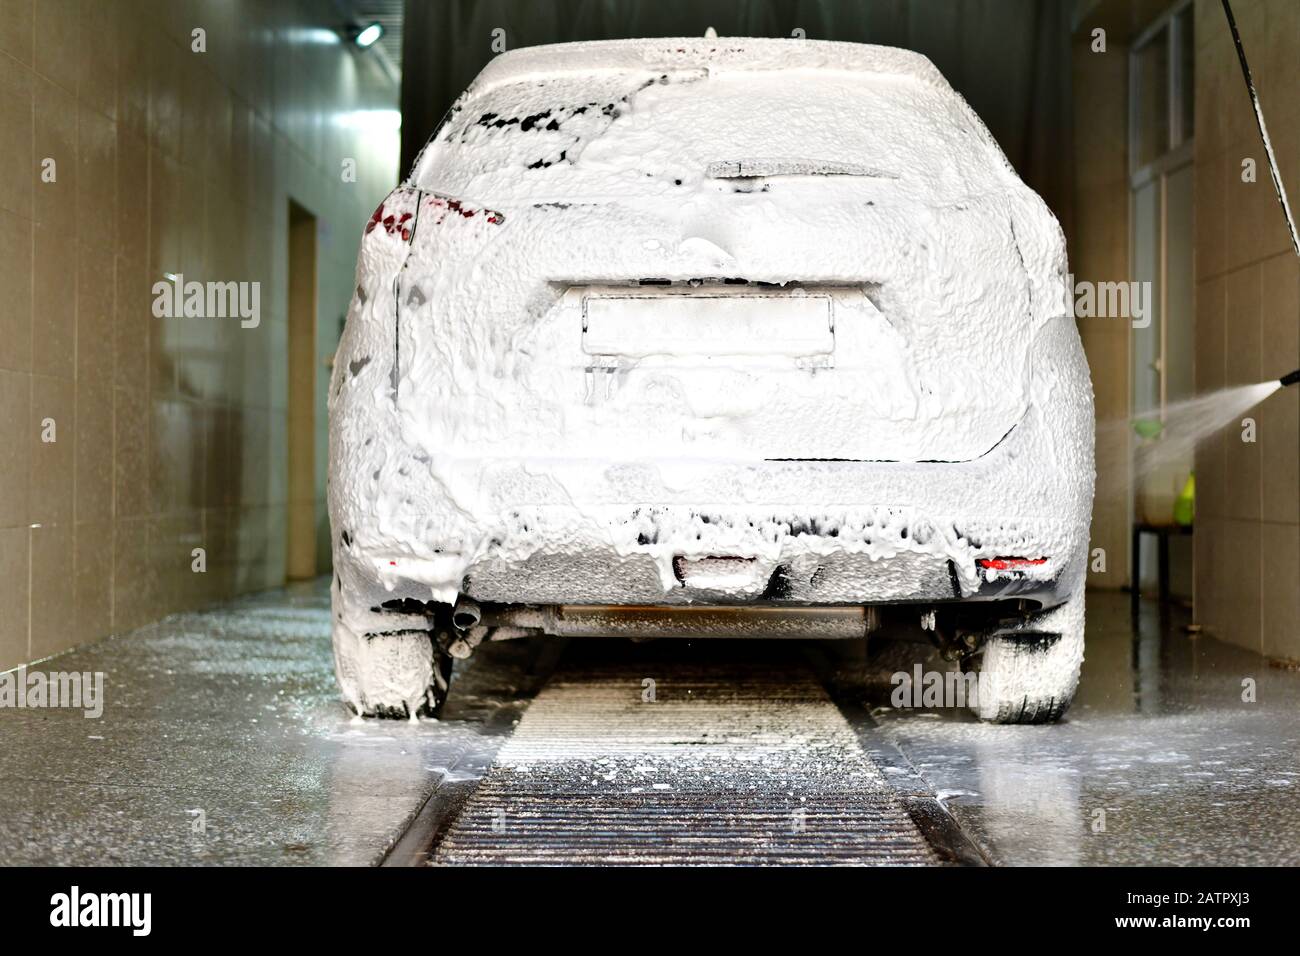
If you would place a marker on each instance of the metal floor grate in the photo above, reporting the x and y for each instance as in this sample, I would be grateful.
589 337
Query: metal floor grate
728 765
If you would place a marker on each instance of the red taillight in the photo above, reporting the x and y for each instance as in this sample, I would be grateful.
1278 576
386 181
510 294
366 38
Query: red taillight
1009 564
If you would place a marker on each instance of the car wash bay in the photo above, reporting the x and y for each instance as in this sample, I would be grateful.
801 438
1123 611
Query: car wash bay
163 477
222 741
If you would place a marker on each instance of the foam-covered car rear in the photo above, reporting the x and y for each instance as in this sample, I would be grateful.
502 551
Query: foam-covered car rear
737 336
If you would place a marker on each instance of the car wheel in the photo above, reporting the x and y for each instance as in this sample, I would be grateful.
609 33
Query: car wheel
396 674
1028 674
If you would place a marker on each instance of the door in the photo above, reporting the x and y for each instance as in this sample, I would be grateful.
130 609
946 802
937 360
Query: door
300 550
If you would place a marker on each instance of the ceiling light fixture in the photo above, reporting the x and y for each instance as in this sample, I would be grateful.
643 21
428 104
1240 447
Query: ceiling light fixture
367 35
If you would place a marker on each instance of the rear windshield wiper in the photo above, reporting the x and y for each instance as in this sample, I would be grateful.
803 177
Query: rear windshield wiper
762 168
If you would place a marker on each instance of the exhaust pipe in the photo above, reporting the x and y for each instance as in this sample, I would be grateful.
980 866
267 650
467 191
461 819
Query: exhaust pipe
466 613
1290 378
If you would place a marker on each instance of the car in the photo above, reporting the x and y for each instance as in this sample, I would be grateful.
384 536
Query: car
711 337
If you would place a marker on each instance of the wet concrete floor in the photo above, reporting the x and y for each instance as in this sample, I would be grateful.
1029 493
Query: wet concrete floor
222 740
1178 750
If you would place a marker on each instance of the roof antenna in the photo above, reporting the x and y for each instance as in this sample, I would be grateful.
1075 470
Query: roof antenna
710 34
1263 130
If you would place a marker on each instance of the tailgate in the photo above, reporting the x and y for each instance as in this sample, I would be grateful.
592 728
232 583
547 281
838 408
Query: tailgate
813 372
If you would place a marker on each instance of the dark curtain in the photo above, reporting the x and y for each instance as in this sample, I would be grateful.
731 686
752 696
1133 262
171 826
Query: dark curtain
1009 58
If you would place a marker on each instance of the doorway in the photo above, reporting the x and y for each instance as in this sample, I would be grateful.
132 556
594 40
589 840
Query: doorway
1161 350
300 549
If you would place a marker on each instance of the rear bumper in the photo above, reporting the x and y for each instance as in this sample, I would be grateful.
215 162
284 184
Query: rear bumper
813 555
796 532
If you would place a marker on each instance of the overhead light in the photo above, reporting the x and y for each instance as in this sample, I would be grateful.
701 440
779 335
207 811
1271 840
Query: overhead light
368 35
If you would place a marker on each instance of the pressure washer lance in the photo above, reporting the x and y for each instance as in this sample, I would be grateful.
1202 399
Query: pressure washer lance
1290 378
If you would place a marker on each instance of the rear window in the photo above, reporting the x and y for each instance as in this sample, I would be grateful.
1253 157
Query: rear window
615 136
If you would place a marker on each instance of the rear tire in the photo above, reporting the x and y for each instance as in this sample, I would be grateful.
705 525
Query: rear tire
391 674
1029 673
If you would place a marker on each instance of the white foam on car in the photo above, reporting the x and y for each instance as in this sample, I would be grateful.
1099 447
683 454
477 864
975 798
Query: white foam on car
464 422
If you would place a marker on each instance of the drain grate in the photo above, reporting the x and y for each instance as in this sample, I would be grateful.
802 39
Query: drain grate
725 765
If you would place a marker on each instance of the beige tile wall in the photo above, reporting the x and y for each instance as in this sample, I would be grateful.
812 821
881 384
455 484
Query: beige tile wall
170 433
1099 252
1248 329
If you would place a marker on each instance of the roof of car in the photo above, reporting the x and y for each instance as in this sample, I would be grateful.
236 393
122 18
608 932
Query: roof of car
724 53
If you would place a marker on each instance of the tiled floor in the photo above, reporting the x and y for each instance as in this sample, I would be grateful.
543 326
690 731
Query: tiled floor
1160 759
234 713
